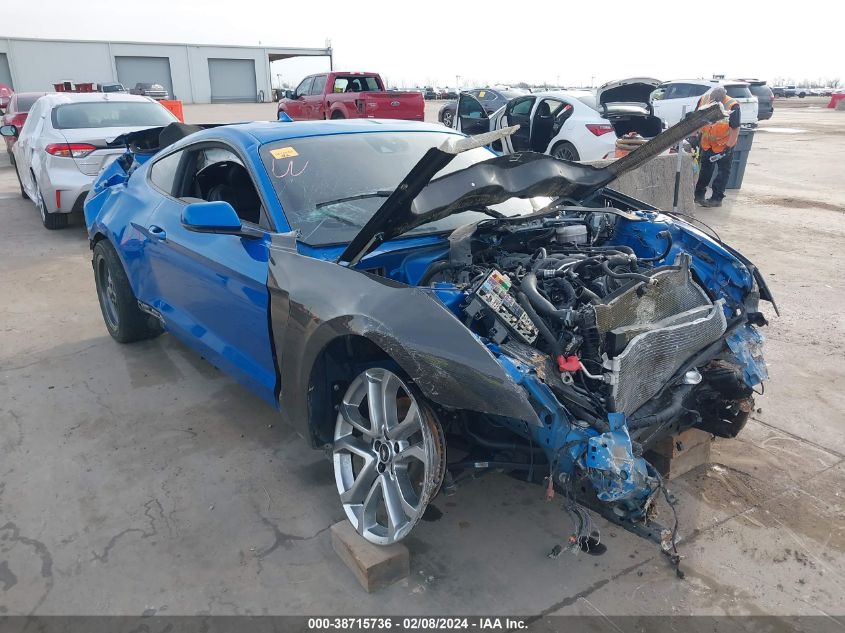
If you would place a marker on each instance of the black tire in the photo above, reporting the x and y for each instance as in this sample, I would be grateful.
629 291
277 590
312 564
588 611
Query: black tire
18 176
337 114
123 318
565 151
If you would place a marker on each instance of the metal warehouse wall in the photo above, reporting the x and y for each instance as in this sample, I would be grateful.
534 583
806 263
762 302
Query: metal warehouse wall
37 64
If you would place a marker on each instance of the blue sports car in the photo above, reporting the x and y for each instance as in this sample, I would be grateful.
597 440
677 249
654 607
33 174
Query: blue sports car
394 288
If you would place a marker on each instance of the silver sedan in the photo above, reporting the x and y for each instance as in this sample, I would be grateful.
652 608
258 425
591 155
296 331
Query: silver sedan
67 139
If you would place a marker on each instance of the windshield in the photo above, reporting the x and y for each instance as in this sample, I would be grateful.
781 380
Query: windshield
330 186
94 114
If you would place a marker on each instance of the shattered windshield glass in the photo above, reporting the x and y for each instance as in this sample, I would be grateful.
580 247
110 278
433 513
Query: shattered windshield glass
330 186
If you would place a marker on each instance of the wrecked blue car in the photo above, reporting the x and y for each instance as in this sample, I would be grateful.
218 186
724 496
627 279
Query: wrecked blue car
421 307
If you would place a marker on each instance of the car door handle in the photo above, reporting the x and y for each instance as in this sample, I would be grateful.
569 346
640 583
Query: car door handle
157 232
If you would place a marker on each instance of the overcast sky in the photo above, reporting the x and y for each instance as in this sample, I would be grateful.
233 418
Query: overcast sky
570 43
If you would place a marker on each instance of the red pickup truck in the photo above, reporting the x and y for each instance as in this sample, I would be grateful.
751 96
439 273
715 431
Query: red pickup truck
339 95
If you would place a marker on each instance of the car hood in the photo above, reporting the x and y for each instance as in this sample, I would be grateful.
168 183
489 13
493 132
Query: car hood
418 199
632 90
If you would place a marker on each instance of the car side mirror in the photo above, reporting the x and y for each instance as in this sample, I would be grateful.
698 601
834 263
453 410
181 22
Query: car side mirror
215 217
289 94
9 130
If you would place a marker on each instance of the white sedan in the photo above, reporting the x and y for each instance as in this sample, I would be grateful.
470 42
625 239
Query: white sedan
565 124
68 138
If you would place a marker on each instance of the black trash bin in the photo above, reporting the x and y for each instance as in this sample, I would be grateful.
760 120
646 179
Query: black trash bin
740 158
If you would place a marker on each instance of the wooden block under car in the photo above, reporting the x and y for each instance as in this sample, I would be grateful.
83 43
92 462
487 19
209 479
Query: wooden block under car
677 454
374 566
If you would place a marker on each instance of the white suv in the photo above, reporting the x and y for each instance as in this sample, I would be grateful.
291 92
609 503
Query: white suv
669 98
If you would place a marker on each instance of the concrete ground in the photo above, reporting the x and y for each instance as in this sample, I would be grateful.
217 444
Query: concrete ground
138 479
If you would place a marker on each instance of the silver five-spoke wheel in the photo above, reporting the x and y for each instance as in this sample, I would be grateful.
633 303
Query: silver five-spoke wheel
389 456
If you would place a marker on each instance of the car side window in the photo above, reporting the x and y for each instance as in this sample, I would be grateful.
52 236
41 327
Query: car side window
34 122
672 92
340 84
217 174
469 107
318 85
696 90
304 87
163 172
522 107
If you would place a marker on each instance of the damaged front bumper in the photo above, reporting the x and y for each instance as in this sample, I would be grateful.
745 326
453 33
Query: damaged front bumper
603 462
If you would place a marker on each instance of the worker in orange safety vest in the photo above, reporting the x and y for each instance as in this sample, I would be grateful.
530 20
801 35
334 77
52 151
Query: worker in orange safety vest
717 142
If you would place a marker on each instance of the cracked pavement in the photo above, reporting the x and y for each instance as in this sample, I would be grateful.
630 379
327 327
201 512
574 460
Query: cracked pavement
139 479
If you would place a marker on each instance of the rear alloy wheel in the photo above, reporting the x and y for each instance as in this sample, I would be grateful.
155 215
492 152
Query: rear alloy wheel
565 151
389 456
447 118
51 221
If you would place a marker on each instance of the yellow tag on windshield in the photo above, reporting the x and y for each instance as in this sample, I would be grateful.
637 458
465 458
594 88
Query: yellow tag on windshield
481 93
284 152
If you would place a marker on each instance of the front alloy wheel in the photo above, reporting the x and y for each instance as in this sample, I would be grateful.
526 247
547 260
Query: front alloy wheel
389 456
447 118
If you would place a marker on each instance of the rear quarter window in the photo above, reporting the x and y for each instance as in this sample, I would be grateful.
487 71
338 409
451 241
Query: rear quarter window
163 172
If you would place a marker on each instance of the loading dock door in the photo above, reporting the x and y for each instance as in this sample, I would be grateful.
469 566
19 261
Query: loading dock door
232 80
133 70
5 73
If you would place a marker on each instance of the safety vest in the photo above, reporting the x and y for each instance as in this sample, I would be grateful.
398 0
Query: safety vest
717 137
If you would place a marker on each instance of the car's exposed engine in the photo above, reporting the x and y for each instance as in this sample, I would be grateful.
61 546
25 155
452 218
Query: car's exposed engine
633 347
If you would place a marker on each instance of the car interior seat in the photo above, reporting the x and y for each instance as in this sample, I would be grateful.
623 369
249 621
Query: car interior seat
541 127
232 184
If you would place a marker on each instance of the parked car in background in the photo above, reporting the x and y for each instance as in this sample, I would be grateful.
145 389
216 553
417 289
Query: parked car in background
67 139
343 95
16 113
564 124
765 98
491 99
151 90
112 87
6 93
430 94
626 104
567 124
672 98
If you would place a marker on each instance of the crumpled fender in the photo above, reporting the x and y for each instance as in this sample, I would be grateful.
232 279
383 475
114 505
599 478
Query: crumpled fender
313 302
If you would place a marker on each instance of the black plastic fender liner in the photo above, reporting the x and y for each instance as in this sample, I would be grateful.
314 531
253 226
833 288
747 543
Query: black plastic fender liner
313 302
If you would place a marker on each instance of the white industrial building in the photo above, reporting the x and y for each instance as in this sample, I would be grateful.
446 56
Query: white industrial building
193 73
